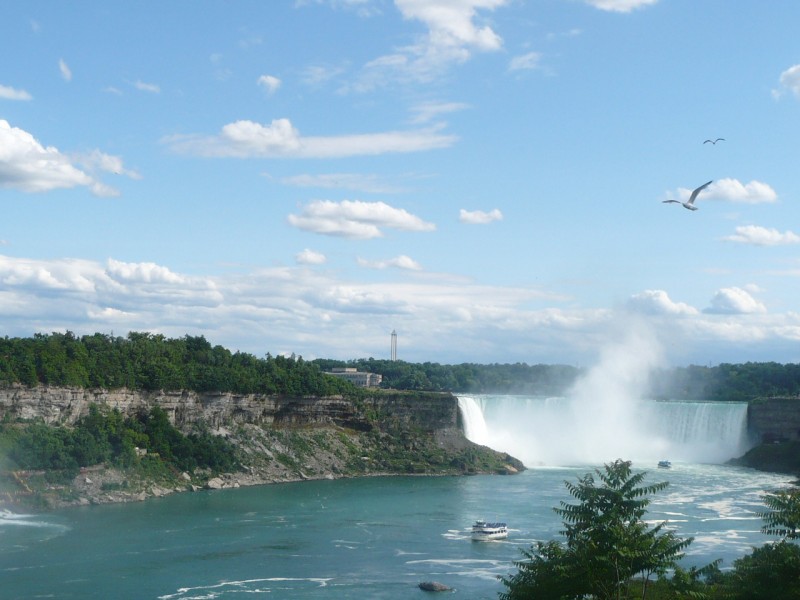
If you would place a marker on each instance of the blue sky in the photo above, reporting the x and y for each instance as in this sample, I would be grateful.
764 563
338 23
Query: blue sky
485 177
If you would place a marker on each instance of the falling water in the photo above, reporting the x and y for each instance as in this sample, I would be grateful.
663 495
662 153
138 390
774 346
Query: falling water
551 431
605 415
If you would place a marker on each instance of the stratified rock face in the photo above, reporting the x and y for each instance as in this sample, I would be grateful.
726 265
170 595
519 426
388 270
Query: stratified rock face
774 419
426 411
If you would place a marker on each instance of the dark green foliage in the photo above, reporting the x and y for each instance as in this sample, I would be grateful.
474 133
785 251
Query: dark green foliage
771 572
783 517
111 438
518 378
724 382
144 361
608 543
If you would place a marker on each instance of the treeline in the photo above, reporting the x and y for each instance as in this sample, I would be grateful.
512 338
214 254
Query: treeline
145 361
517 378
110 437
732 382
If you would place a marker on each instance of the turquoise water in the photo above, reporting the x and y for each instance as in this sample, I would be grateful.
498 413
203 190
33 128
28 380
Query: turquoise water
357 538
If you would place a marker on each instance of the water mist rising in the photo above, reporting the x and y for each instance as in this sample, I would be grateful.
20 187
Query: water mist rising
605 417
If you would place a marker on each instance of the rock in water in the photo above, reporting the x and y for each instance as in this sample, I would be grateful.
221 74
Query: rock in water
433 586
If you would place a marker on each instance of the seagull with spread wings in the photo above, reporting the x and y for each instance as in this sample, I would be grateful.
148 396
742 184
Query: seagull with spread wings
714 141
690 202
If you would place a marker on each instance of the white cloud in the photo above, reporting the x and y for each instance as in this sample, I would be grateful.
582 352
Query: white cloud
453 33
66 72
734 301
451 23
310 257
345 181
317 75
733 190
269 83
9 93
789 80
100 161
428 111
28 166
525 62
356 219
658 302
152 88
622 6
479 217
247 139
147 272
398 262
762 236
317 313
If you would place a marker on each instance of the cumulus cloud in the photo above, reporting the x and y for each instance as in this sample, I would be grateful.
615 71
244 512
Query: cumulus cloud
762 236
734 301
622 6
658 302
247 139
9 93
66 72
319 313
525 62
733 190
479 217
28 166
789 80
269 83
356 219
398 262
310 257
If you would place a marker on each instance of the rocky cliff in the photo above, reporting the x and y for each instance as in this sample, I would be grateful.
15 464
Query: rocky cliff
278 439
64 406
774 419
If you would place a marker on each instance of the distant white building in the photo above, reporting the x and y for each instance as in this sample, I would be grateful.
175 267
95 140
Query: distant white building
356 377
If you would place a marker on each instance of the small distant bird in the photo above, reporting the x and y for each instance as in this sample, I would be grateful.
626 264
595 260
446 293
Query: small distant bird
714 141
690 202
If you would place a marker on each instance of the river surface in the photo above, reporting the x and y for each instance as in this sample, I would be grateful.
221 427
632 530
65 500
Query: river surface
371 538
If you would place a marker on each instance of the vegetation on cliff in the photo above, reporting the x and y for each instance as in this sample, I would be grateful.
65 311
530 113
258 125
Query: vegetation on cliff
144 361
725 382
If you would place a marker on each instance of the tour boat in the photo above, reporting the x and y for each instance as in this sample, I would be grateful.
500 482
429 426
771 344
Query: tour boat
664 464
482 530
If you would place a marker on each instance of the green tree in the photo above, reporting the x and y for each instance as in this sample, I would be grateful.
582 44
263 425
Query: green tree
783 516
771 572
607 543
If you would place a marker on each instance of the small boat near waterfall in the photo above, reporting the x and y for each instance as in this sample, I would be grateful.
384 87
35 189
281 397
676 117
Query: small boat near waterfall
483 531
664 464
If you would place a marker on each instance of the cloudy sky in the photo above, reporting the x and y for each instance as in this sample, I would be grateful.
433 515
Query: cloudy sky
485 177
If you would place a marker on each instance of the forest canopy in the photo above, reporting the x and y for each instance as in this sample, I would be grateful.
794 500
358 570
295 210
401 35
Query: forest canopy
146 361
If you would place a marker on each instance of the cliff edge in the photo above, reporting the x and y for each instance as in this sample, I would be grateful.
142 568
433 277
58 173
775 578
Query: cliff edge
277 439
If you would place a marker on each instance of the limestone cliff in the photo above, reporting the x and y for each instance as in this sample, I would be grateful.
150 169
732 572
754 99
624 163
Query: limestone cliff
64 406
278 439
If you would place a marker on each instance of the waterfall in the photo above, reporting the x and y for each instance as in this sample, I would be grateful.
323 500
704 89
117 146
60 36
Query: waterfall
563 431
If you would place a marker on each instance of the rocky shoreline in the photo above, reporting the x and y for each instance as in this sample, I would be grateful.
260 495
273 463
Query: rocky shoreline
271 455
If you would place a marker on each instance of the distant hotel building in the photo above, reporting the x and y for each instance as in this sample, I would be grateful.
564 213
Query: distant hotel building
356 377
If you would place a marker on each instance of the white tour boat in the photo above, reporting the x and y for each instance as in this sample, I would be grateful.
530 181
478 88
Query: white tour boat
482 530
